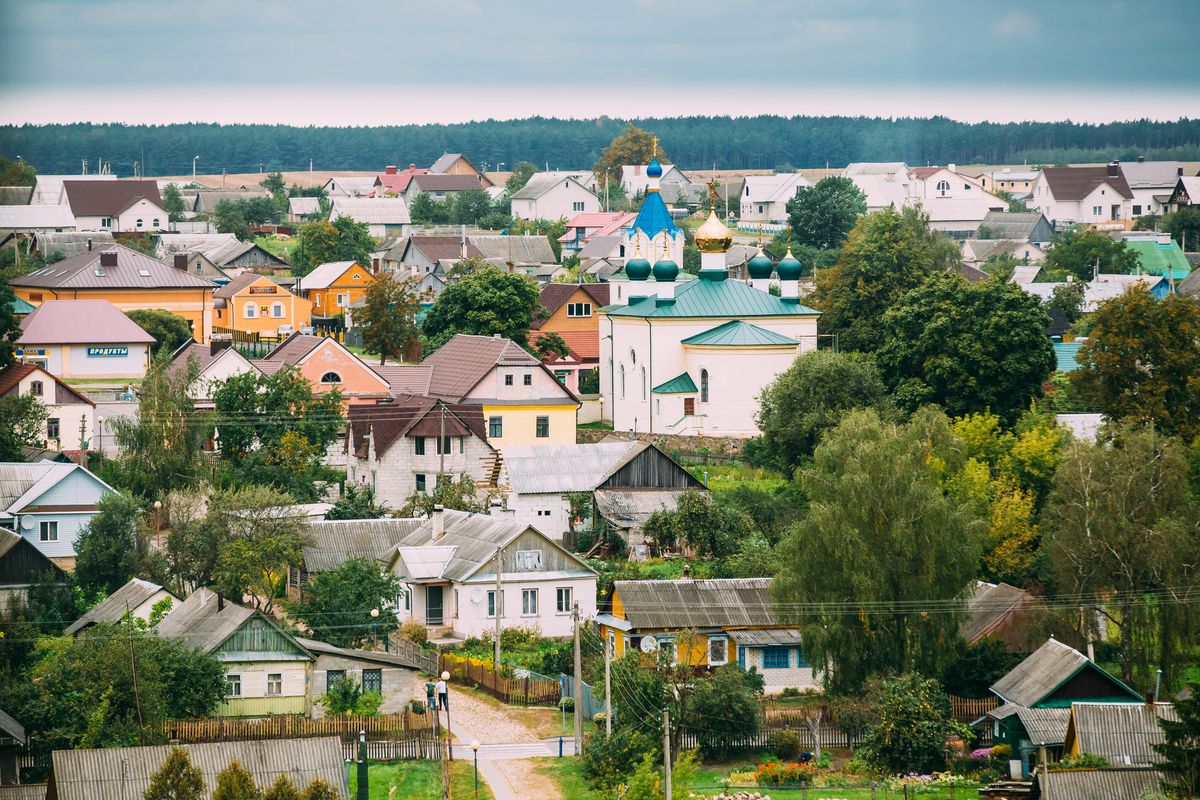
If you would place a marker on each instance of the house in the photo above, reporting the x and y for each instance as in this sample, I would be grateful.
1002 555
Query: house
126 278
1096 195
215 362
301 208
1123 733
448 568
1037 696
84 339
627 481
733 619
523 402
765 197
571 313
1018 183
1120 783
383 216
932 183
1159 254
886 169
48 503
48 189
978 252
76 774
422 257
207 200
1152 184
253 303
1189 286
515 253
1024 226
333 542
201 266
582 229
266 670
116 206
440 186
959 217
404 447
1010 615
327 365
224 250
1186 193
672 183
21 565
68 411
393 675
883 190
334 286
393 182
350 186
457 164
552 196
35 219
137 599
68 244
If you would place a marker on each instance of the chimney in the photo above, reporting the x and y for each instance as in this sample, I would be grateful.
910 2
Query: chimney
217 345
180 261
390 169
498 509
108 258
412 167
220 602
1141 159
90 241
1114 169
1179 172
438 518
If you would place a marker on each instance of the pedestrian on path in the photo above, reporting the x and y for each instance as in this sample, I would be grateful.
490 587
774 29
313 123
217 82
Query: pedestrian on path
429 689
443 695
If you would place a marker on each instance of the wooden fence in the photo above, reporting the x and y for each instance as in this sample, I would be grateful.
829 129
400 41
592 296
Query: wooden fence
969 709
526 691
426 661
777 714
391 726
412 749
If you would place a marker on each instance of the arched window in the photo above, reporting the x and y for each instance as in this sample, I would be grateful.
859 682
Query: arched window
622 381
943 187
703 386
251 311
277 310
643 383
331 378
139 222
156 222
633 357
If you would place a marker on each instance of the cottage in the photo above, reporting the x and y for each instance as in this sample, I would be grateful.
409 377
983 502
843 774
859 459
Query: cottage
68 411
391 674
253 303
554 195
49 189
350 186
448 567
84 339
334 286
327 365
1186 193
137 599
35 219
21 566
48 504
1024 226
673 183
515 253
116 206
440 187
765 197
1123 733
571 312
12 742
393 182
301 208
333 542
1098 195
457 164
223 250
1007 614
215 362
978 252
383 216
1152 183
584 229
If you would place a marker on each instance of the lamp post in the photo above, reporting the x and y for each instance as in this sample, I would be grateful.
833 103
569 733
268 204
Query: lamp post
475 750
157 523
194 160
446 700
374 616
100 449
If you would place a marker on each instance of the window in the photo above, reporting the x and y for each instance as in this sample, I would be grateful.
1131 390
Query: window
277 310
668 649
332 676
527 379
529 602
35 388
139 222
643 383
420 483
562 600
274 684
251 311
543 512
942 188
49 531
801 661
703 386
577 205
35 297
156 222
579 309
341 299
492 604
331 377
1137 211
233 685
495 427
633 357
543 427
318 301
52 428
373 680
529 559
419 446
443 445
622 381
776 657
561 376
106 222
1097 210
508 380
718 650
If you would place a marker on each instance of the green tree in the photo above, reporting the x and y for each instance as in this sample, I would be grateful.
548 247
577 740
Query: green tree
354 242
235 782
170 331
24 420
107 552
485 302
173 202
811 397
1082 252
632 146
356 502
822 216
388 317
1184 227
913 727
710 529
522 171
1068 298
966 346
1141 360
459 494
978 667
1180 748
261 545
318 245
550 346
177 778
10 326
337 604
318 789
16 172
551 229
282 789
470 206
424 210
726 707
273 183
229 217
880 530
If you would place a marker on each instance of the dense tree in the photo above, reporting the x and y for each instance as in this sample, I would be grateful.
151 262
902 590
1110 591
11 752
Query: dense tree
16 172
485 302
388 317
978 667
318 245
725 708
170 331
107 552
1082 252
176 779
1068 298
235 782
551 346
354 242
966 346
229 217
708 528
632 146
821 216
24 417
282 789
173 202
318 789
356 502
458 493
551 229
259 546
1180 748
880 534
1184 227
468 207
337 604
10 326
913 727
522 171
811 397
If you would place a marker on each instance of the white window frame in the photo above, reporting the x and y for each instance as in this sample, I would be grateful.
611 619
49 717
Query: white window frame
341 299
724 641
251 310
577 206
580 310
106 222
528 560
528 608
491 603
48 530
277 310
274 682
233 680
562 600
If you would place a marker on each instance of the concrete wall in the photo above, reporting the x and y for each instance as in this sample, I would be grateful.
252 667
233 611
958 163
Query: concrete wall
397 682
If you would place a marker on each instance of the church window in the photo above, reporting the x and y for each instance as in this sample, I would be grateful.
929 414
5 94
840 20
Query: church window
703 386
622 381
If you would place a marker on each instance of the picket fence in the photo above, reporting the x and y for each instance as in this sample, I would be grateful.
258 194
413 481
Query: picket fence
425 746
526 691
388 727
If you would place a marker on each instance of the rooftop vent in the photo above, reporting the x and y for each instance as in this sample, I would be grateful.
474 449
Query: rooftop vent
145 273
108 258
99 273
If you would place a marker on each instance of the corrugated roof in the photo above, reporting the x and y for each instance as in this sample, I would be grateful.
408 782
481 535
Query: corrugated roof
372 656
114 607
437 248
371 210
204 621
630 508
516 250
80 322
15 195
24 791
20 307
108 198
1045 725
680 384
1013 224
24 218
446 160
125 772
337 541
543 182
133 270
431 182
767 637
739 333
989 607
11 727
322 277
716 603
424 563
535 469
708 298
1160 258
303 206
208 199
70 244
1031 681
1124 733
23 482
1100 784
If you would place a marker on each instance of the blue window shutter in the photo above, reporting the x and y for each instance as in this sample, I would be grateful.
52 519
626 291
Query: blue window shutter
742 657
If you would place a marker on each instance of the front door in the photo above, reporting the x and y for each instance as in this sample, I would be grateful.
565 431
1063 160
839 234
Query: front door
689 406
433 605
1116 212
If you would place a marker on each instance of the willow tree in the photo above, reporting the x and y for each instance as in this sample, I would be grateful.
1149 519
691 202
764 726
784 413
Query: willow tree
875 575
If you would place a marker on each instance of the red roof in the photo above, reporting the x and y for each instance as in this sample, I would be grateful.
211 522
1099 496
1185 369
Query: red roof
584 345
11 377
924 172
397 182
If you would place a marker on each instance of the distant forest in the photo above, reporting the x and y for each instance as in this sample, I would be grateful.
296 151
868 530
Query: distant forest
692 142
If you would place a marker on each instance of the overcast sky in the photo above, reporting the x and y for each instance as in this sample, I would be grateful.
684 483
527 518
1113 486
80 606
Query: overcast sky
355 62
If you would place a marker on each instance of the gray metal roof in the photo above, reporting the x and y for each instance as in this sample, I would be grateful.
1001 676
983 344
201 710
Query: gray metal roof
517 250
1100 784
1124 733
373 656
205 620
80 322
337 541
25 791
716 603
134 270
23 482
1041 673
124 773
630 508
11 727
71 244
1045 725
38 217
536 469
114 607
766 637
371 210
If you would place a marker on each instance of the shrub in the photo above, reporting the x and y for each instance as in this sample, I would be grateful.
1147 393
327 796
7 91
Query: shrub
1001 751
567 704
414 632
1081 761
784 744
519 637
416 706
773 773
790 691
912 728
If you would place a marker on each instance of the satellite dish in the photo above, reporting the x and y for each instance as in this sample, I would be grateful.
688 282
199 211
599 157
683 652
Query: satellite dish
27 523
649 644
477 595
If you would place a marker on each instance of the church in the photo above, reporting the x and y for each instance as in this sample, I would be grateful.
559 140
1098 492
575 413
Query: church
692 357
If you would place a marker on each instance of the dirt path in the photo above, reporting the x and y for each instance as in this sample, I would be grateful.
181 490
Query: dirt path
487 723
522 775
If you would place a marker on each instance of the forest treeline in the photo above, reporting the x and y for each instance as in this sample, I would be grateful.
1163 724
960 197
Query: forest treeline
762 142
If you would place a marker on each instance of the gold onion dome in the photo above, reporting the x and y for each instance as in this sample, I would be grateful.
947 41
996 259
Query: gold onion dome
713 236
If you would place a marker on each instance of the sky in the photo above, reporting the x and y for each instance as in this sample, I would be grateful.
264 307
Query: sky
363 62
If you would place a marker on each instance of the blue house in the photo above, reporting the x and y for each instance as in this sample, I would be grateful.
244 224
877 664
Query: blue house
48 503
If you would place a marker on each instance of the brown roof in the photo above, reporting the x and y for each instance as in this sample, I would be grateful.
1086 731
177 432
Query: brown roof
924 172
406 378
80 322
237 284
584 345
462 362
555 294
12 376
293 348
437 248
134 270
411 415
446 183
108 198
1076 183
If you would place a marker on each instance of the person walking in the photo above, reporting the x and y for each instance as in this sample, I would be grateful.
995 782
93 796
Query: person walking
443 695
429 690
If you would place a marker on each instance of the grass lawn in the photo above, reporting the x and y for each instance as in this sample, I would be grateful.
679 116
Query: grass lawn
595 426
419 780
280 246
566 773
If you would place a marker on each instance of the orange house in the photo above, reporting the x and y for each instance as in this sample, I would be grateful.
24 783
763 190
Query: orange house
333 287
571 313
254 303
328 365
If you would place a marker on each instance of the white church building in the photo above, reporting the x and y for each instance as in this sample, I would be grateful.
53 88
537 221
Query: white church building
692 357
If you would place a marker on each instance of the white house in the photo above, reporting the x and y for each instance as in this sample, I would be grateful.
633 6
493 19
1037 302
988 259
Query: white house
48 504
635 180
117 206
928 183
383 216
135 600
84 339
215 362
765 197
448 568
68 411
1096 195
554 195
1151 183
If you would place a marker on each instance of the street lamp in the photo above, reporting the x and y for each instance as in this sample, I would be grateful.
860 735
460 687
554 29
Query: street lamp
100 450
446 701
374 616
194 160
475 749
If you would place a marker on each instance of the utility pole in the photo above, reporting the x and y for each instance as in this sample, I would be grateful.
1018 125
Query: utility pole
83 454
499 597
310 182
608 654
578 685
666 754
442 448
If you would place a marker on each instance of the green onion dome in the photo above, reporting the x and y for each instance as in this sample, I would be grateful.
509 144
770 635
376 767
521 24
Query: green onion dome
665 270
789 267
638 269
760 266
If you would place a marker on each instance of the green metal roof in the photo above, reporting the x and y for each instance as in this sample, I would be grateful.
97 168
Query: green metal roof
739 333
19 306
680 384
1065 352
714 299
1159 259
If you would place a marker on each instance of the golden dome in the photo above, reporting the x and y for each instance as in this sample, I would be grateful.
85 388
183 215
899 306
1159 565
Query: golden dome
713 236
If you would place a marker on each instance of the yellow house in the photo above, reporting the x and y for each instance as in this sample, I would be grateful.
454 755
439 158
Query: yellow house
708 623
126 278
333 287
254 303
523 402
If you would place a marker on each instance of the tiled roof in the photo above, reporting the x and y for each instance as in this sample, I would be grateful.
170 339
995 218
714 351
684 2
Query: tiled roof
80 322
555 294
240 282
584 345
462 362
411 415
446 183
323 277
407 378
11 377
680 384
134 270
708 298
436 248
1076 183
739 333
108 198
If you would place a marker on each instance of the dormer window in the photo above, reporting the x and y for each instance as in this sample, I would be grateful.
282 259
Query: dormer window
943 187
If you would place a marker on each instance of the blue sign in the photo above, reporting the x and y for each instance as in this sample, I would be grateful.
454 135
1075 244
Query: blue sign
118 351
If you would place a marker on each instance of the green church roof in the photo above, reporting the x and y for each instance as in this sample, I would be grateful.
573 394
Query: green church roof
680 384
1159 259
738 333
704 298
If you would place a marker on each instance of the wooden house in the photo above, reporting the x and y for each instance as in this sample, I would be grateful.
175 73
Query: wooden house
137 599
21 566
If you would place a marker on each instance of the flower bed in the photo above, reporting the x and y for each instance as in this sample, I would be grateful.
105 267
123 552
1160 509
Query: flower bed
773 773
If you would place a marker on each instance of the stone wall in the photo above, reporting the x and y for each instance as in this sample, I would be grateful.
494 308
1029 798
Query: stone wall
667 442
